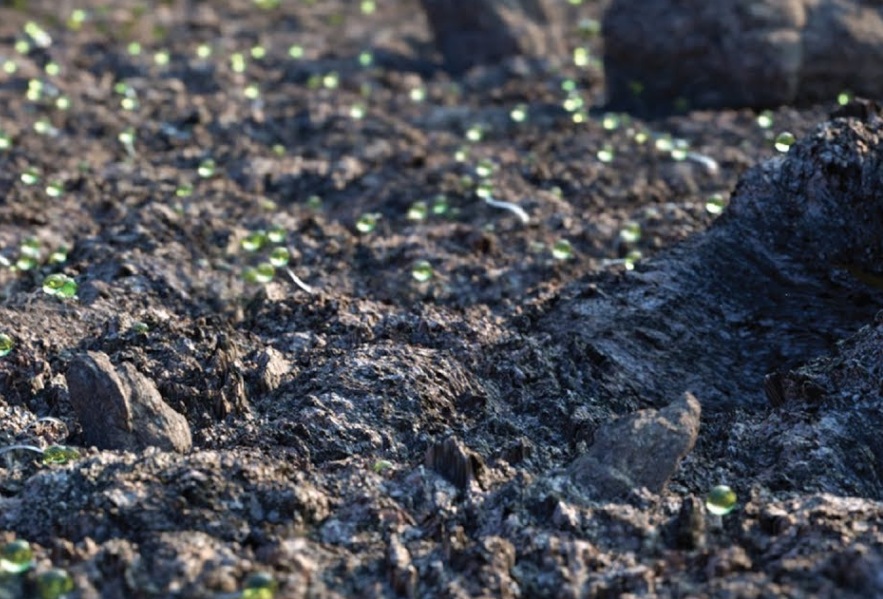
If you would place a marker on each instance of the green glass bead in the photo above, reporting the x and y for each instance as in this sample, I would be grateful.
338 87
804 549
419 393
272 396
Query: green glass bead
721 500
54 583
255 241
60 285
562 250
60 454
279 257
422 271
16 557
6 344
260 585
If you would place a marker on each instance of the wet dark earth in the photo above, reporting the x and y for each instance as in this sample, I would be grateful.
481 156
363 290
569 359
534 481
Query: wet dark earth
319 317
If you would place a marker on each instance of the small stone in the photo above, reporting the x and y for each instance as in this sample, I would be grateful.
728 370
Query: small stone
639 450
272 366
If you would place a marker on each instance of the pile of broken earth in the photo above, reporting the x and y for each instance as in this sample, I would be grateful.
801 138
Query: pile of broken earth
516 427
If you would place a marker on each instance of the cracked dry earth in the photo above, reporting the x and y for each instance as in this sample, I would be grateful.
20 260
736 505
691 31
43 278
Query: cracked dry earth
515 426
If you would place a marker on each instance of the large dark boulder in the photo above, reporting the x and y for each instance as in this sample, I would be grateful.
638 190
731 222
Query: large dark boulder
669 55
490 31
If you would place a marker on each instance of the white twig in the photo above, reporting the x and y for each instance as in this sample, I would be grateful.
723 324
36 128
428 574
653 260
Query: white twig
513 208
297 281
9 448
708 162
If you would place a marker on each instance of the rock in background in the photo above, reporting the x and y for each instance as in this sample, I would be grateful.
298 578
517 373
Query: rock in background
668 55
490 31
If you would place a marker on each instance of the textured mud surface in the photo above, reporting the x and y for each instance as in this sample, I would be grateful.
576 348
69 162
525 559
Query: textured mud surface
517 425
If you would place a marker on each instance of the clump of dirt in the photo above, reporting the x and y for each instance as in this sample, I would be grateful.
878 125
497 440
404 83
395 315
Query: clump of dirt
359 431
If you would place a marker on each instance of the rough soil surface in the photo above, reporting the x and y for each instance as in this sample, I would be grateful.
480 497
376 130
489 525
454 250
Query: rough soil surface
517 425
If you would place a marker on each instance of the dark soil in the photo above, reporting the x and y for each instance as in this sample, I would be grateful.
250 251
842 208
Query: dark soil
313 407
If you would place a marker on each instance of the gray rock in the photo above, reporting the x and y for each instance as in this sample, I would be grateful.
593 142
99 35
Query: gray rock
691 54
121 408
272 367
489 31
639 450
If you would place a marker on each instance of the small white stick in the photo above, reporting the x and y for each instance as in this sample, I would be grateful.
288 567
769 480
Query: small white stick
513 208
708 162
299 282
9 448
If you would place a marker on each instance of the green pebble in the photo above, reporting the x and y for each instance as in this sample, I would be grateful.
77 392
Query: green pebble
16 557
60 285
631 233
264 272
418 211
25 263
30 176
54 583
784 141
422 271
255 241
279 257
765 119
260 585
140 328
366 223
440 204
381 465
31 248
206 168
6 344
276 235
484 168
562 250
715 204
60 454
58 256
721 500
